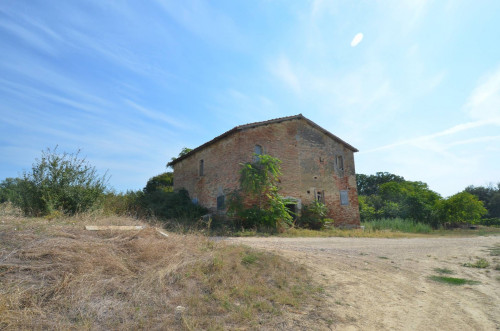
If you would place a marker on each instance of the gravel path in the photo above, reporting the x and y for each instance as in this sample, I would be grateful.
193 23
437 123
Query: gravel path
376 283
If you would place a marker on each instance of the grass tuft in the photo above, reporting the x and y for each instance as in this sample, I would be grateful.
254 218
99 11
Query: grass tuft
495 250
250 258
444 271
481 264
397 224
453 281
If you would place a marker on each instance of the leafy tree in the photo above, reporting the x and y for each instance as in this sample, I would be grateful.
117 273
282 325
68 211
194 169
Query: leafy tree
60 182
414 201
370 184
461 208
258 202
183 152
367 210
386 195
164 181
9 190
490 196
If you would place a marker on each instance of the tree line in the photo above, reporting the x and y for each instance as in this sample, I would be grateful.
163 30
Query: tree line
386 195
63 183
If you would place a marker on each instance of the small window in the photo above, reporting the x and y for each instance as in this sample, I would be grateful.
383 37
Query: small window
195 201
344 198
201 167
221 202
340 162
320 196
257 151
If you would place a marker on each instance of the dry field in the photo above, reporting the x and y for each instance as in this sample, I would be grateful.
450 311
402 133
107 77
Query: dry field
385 284
55 275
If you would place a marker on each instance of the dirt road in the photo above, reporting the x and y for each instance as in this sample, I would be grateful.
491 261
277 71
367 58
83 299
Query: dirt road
383 284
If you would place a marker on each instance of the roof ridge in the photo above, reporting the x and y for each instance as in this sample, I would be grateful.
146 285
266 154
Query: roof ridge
274 120
255 124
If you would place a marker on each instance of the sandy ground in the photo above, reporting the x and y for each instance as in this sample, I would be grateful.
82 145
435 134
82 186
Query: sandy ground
383 284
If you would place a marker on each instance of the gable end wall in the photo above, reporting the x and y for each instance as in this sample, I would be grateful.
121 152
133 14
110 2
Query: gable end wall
308 165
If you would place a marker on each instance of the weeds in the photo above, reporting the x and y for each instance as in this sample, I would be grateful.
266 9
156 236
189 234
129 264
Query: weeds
250 258
444 271
481 264
454 281
495 250
397 224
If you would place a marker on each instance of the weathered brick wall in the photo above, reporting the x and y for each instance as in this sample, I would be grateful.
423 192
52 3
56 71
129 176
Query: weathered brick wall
308 166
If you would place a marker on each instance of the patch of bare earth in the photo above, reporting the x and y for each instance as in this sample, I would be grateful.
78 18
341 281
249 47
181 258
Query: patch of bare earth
383 284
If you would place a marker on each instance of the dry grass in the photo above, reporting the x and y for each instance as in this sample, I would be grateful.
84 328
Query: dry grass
356 233
360 233
55 275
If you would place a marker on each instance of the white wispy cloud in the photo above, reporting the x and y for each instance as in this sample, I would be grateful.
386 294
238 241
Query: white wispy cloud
482 106
484 101
282 69
155 115
357 39
31 38
424 141
204 21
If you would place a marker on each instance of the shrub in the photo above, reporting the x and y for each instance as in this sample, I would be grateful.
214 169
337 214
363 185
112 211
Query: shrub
259 203
461 208
60 182
495 221
312 216
9 189
123 203
171 205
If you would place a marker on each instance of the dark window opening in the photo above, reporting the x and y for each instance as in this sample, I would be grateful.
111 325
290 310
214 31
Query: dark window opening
201 167
292 210
340 162
320 196
221 202
344 198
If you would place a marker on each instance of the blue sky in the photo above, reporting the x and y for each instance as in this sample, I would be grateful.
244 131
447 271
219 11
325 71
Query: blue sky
414 85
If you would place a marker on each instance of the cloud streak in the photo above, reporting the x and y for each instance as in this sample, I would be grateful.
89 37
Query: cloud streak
357 39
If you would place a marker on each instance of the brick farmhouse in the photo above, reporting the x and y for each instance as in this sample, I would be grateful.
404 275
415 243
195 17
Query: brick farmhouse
316 165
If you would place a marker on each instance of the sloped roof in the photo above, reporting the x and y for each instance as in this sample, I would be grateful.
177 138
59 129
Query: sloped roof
256 124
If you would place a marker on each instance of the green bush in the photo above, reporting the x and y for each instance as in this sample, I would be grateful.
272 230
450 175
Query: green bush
312 216
171 205
259 203
60 182
123 203
495 221
461 208
9 190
